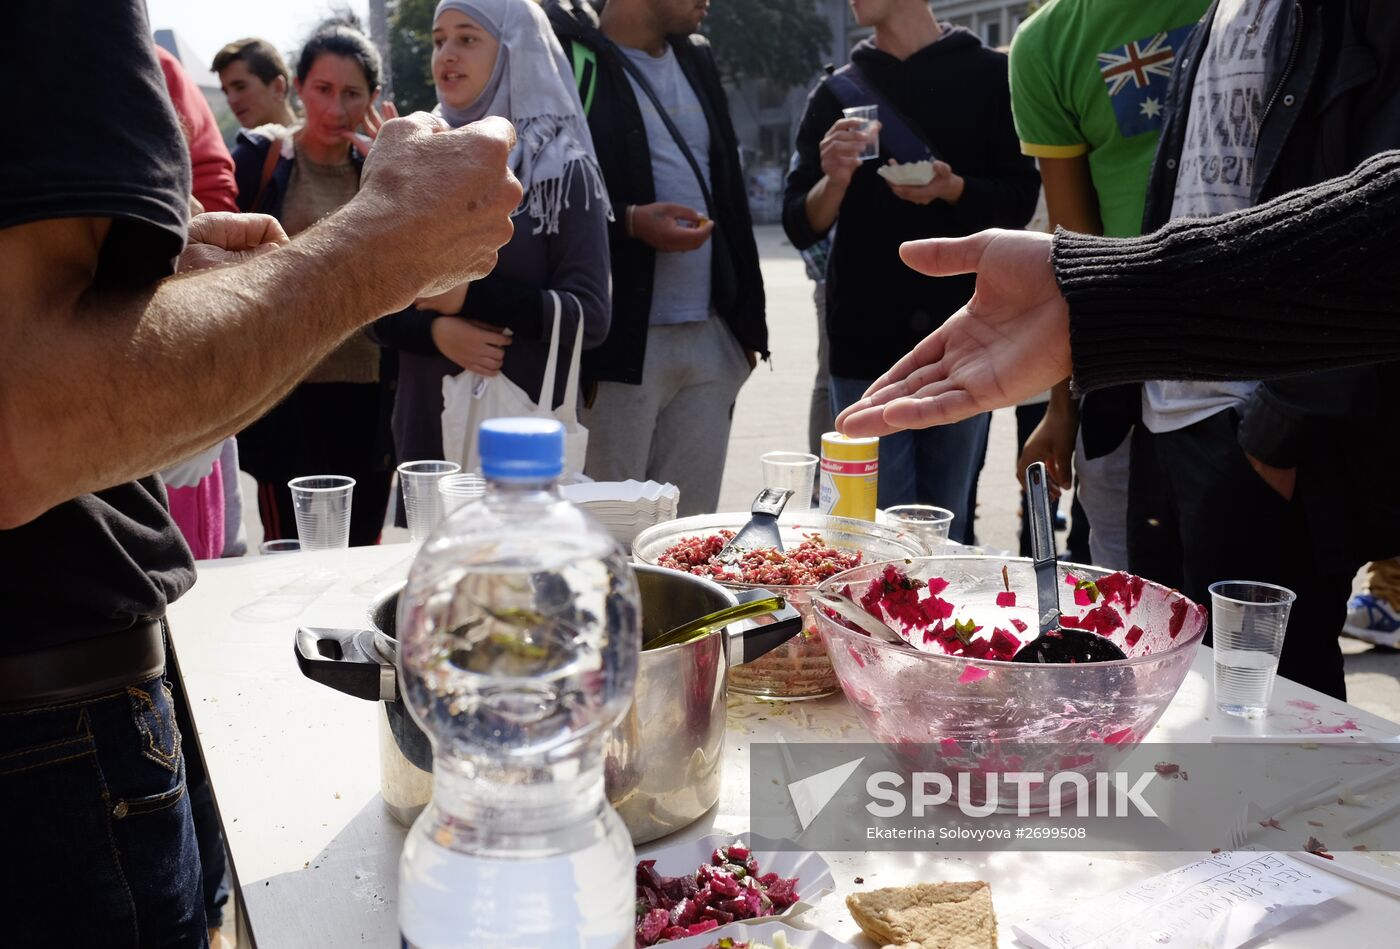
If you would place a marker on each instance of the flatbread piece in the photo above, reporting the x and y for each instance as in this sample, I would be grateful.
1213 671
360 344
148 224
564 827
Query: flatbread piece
928 916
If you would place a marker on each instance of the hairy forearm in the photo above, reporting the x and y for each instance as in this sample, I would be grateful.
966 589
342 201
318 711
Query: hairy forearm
99 387
824 204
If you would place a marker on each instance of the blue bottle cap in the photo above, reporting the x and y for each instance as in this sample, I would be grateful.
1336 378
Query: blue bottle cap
521 449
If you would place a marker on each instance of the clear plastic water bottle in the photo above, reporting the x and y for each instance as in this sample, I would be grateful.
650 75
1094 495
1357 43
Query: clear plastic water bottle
519 639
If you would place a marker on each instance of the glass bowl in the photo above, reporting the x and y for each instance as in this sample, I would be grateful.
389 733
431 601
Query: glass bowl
800 669
955 715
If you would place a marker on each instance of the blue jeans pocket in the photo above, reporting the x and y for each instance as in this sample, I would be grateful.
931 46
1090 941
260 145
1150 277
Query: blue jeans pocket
126 807
100 850
154 717
61 868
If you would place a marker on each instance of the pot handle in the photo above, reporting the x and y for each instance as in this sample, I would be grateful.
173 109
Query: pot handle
338 658
750 640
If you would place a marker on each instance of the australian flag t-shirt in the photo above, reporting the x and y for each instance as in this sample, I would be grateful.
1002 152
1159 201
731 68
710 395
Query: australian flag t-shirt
1090 77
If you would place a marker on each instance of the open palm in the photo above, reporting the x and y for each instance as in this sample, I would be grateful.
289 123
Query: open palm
1010 342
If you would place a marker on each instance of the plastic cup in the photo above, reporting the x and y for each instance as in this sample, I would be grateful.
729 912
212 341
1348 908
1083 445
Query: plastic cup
1248 620
279 547
927 524
794 471
458 489
869 114
422 501
322 504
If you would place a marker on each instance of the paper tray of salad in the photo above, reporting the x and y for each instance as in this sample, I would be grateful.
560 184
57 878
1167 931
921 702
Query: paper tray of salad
694 887
769 935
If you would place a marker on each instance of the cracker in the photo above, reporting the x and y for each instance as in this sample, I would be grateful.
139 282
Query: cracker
928 916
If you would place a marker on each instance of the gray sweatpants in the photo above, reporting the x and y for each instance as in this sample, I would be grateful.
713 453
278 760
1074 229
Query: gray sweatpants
674 427
1102 489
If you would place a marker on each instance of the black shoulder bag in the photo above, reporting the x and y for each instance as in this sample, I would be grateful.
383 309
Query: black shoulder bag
899 137
726 278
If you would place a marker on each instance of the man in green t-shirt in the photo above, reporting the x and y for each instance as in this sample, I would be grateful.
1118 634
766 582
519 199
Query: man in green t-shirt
1088 82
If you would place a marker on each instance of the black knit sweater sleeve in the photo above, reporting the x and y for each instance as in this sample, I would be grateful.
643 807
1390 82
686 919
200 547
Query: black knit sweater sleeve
1307 282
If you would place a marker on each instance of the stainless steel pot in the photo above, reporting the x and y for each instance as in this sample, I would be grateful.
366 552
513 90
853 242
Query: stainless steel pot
663 759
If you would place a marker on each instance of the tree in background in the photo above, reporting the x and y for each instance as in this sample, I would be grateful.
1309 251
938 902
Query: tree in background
410 55
782 41
379 36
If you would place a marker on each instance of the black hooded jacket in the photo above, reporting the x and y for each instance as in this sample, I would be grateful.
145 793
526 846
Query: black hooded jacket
955 91
620 137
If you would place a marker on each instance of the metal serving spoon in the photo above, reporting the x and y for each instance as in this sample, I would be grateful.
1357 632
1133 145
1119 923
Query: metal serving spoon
849 609
762 529
1055 642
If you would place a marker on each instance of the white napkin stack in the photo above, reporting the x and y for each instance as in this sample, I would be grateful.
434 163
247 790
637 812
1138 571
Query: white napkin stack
625 508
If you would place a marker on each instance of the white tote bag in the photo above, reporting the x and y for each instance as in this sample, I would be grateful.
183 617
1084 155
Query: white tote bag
468 399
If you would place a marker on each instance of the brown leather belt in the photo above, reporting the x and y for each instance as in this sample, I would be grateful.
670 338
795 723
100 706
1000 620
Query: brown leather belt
87 667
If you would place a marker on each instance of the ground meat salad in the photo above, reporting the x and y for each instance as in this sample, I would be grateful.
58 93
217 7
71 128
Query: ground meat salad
807 564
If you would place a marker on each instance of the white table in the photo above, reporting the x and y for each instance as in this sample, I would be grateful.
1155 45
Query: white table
295 771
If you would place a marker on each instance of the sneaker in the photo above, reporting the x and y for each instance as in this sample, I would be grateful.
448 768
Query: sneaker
1372 619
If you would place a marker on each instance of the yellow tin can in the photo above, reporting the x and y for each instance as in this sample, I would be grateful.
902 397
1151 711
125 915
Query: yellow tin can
850 476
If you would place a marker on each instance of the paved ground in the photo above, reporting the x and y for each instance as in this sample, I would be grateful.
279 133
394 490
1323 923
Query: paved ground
772 415
772 410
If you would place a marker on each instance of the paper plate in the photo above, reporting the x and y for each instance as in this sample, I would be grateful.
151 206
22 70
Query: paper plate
814 879
761 933
621 492
915 173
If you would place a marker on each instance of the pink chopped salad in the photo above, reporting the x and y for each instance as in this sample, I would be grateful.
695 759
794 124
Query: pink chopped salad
807 564
730 887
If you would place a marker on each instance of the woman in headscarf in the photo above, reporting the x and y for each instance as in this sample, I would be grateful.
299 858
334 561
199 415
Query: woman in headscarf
500 57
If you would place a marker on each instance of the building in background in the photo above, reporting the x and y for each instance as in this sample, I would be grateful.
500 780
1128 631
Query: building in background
766 116
197 65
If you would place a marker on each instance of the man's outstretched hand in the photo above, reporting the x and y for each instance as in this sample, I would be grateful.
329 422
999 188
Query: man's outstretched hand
1010 342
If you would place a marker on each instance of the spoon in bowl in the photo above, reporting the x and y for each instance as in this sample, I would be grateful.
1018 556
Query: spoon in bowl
761 531
848 609
1055 643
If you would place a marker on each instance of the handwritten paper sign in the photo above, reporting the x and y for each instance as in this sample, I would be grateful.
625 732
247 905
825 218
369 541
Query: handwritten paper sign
1220 903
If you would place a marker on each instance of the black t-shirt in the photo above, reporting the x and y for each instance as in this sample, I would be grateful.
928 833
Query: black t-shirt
95 137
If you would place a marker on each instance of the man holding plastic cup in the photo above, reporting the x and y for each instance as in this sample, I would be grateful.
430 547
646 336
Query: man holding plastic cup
948 164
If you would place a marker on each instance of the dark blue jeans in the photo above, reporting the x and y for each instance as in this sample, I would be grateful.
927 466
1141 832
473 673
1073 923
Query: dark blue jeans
202 810
930 466
98 845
